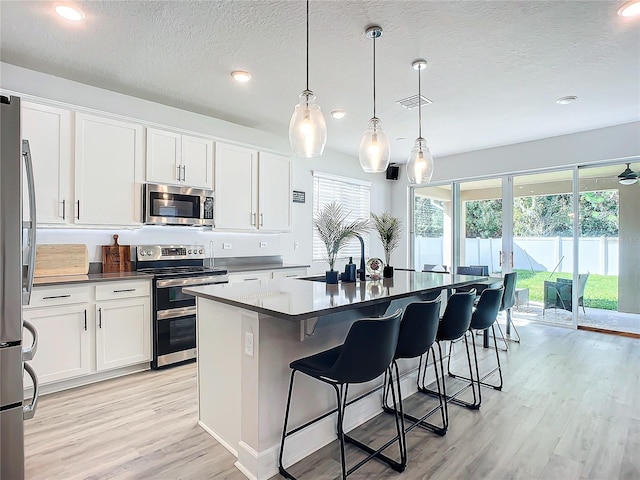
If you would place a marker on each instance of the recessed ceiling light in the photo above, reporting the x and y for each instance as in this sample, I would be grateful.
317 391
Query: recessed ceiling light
630 9
338 114
68 12
241 76
566 100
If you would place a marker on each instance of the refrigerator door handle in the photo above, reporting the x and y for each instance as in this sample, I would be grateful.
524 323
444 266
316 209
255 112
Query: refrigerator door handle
30 352
26 153
28 411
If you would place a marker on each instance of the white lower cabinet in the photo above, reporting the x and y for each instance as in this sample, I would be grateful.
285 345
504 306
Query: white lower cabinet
88 329
123 333
64 342
249 276
290 273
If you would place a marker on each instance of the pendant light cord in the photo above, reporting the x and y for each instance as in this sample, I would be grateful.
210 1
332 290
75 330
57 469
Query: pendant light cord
374 75
419 106
307 44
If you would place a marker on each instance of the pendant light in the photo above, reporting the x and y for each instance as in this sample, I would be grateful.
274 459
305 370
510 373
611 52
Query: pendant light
307 129
374 147
420 164
628 177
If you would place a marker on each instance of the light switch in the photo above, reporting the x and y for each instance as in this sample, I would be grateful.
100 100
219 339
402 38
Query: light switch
226 246
263 244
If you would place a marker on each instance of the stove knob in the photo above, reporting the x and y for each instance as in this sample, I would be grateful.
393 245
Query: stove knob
201 251
149 252
189 252
142 253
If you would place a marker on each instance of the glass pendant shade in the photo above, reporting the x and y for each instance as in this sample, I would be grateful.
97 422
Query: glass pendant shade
374 150
307 129
420 164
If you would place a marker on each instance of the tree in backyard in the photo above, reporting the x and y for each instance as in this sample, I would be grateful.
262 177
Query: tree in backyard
599 213
483 218
428 217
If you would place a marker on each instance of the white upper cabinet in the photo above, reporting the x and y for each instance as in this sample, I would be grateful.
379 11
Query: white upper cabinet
197 162
236 182
275 194
108 171
163 157
252 190
49 131
177 159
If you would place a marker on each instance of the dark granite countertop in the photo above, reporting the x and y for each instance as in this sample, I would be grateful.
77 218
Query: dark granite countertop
297 299
261 266
91 277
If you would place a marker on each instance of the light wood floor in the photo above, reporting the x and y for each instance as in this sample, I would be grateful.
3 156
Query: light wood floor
570 409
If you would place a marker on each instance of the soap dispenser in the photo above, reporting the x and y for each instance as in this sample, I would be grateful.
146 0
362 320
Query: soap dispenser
349 274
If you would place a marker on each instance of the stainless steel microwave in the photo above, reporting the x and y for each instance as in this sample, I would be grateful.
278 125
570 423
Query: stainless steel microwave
171 205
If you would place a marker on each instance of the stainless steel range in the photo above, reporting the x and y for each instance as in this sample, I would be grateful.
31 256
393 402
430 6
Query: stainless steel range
174 313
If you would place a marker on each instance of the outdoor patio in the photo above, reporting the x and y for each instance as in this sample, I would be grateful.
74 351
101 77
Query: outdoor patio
597 318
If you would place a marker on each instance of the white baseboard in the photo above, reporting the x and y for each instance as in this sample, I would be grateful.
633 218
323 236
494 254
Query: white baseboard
219 439
264 465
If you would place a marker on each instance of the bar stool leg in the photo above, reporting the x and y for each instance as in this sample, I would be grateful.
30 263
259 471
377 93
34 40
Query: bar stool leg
281 469
341 399
495 342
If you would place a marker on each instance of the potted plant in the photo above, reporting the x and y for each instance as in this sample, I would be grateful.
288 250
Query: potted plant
335 231
390 230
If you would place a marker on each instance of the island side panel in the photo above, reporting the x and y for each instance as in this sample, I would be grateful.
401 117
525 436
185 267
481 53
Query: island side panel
219 371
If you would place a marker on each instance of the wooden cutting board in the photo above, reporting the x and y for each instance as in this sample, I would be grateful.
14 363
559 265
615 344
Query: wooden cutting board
61 259
116 258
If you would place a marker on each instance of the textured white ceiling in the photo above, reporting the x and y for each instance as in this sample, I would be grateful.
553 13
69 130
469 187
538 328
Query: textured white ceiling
495 67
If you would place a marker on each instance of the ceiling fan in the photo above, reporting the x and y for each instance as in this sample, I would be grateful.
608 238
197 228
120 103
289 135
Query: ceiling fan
628 177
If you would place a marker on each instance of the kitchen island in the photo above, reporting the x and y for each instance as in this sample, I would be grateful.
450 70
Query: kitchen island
248 333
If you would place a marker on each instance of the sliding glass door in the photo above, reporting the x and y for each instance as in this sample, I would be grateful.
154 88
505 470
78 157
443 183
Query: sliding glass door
432 228
609 260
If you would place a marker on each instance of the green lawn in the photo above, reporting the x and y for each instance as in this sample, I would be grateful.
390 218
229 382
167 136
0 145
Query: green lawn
601 290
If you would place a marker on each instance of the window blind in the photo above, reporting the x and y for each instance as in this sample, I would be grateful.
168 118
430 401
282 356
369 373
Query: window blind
354 196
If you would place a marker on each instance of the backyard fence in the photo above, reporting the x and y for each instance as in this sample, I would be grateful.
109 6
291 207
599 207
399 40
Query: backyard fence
598 255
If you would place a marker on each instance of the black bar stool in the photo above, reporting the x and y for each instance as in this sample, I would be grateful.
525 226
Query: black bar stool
454 326
483 318
366 354
508 301
417 337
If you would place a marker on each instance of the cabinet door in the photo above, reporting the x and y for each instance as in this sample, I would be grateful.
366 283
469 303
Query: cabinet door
64 342
275 195
197 162
164 150
48 130
236 205
108 171
123 333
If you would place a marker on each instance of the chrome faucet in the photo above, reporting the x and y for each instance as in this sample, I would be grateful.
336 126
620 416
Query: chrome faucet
362 274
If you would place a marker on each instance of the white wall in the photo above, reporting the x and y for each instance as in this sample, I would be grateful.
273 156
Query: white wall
611 143
38 86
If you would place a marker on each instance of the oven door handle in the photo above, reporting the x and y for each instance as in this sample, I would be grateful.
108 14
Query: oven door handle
183 282
175 313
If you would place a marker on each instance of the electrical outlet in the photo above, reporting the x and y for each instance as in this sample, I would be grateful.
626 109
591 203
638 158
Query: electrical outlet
248 343
296 245
226 246
263 244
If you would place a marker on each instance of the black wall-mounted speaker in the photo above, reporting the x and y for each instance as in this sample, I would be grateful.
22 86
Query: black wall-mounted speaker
392 172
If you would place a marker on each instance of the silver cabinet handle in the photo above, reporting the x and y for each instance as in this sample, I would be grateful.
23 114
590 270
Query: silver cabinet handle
184 173
28 411
125 290
253 218
262 219
99 318
64 209
178 172
56 296
78 210
85 319
30 352
248 279
26 153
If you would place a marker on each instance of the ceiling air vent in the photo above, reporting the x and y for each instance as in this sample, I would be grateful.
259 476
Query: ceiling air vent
412 102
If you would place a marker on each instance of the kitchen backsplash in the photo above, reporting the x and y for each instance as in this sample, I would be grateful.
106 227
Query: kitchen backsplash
238 244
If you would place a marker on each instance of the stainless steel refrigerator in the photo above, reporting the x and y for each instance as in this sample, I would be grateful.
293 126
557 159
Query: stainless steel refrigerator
16 283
